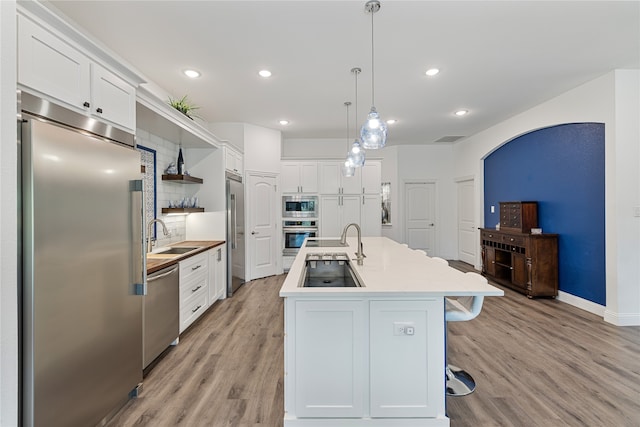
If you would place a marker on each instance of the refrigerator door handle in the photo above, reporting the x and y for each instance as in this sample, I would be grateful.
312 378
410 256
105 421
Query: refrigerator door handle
138 238
234 221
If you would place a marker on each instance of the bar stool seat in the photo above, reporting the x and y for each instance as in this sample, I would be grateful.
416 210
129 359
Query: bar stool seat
460 382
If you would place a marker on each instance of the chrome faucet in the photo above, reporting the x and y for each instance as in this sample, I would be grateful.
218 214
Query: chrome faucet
149 240
343 240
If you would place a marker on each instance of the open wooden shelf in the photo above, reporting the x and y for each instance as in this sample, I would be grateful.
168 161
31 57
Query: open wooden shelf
181 210
182 179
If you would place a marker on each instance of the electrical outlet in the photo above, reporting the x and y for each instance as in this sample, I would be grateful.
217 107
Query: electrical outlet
403 328
493 209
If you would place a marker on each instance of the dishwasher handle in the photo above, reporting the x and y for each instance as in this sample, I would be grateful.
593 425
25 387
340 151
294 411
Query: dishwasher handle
160 276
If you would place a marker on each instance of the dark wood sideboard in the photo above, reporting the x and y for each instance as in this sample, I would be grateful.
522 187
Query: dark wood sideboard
513 257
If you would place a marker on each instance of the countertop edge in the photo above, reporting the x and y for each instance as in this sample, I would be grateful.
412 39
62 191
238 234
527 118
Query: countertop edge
205 245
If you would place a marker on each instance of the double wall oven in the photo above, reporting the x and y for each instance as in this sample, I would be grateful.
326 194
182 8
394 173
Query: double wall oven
299 221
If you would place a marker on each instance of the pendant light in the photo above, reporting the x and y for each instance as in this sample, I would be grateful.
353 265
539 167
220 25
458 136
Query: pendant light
374 131
348 169
356 154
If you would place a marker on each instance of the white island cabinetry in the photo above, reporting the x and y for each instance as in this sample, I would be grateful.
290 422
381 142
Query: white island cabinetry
372 355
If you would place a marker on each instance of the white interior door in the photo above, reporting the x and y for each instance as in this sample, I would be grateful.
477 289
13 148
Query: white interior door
262 230
420 209
467 236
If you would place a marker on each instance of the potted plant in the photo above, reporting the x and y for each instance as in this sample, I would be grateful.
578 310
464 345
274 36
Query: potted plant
184 106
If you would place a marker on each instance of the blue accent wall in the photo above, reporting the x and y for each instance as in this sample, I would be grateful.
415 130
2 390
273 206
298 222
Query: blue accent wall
562 168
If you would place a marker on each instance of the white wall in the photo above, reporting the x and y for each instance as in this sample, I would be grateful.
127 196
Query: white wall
314 148
262 149
611 99
8 219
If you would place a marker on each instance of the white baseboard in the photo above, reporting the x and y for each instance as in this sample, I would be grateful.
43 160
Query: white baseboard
581 303
618 319
622 319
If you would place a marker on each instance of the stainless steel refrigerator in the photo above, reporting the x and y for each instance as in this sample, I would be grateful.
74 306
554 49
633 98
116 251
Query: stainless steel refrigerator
83 265
235 233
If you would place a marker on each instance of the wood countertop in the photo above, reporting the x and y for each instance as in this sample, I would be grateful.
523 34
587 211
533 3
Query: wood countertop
157 262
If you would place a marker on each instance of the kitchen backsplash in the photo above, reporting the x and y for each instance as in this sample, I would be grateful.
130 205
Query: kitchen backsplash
166 152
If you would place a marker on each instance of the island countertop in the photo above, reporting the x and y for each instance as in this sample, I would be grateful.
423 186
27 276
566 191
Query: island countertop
389 269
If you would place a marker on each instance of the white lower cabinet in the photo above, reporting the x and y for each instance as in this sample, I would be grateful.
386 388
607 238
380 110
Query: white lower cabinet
371 215
217 273
329 358
364 361
194 288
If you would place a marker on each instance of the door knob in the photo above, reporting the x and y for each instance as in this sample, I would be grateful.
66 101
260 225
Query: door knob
253 233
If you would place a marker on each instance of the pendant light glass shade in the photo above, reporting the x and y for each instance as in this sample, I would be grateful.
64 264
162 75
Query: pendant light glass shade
348 169
356 155
374 131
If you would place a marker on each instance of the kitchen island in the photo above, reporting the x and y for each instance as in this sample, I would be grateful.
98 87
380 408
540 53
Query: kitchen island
370 355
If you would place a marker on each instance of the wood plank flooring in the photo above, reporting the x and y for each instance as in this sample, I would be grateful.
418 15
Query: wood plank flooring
537 363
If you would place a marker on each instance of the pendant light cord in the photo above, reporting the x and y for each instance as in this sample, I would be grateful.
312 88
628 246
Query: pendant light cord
348 139
356 71
373 103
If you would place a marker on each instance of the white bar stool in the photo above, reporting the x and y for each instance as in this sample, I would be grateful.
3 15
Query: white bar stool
460 382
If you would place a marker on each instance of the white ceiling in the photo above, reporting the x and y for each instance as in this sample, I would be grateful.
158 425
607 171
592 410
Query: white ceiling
497 58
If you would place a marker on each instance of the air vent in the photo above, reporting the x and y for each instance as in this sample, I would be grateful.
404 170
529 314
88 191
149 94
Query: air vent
450 138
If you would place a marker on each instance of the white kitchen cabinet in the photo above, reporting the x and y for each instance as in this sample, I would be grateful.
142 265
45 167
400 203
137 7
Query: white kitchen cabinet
54 69
351 361
371 215
233 161
401 386
194 288
371 177
329 358
299 177
336 212
333 182
217 273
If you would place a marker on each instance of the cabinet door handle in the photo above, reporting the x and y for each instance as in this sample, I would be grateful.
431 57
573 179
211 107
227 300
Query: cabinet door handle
86 104
196 309
194 290
363 200
99 110
196 267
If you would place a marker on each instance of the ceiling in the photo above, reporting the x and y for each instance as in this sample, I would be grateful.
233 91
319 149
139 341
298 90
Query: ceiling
497 58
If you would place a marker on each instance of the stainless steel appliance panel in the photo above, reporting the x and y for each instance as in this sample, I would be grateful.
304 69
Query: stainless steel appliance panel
82 247
161 312
299 206
294 233
235 233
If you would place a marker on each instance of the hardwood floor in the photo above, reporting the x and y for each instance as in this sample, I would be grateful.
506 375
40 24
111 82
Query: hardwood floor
537 363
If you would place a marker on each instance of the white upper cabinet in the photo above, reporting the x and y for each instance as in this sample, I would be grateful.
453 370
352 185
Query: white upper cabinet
112 98
55 69
299 177
233 161
332 181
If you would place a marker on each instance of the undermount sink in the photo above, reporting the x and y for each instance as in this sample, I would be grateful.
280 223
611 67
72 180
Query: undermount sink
176 250
328 270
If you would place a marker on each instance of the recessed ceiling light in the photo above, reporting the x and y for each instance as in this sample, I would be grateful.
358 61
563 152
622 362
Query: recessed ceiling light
192 73
432 72
284 122
461 112
392 121
264 73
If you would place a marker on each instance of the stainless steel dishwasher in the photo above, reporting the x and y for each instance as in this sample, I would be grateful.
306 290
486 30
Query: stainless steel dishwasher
161 313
